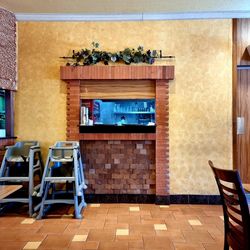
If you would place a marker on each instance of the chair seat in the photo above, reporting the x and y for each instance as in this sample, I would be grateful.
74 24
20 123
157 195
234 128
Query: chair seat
17 159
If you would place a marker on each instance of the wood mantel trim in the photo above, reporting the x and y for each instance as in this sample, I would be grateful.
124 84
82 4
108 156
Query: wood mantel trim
117 72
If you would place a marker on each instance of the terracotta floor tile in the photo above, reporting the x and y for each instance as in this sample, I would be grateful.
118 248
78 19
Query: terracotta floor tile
178 224
132 248
213 246
213 229
11 245
34 227
7 221
7 236
138 244
111 217
157 242
197 211
213 210
57 241
113 245
130 237
190 246
95 217
54 248
29 237
218 239
142 212
152 221
57 230
198 236
127 205
75 246
181 216
119 211
101 235
92 224
97 210
174 235
145 217
111 205
90 245
72 228
55 220
53 228
18 234
82 231
162 215
131 218
142 229
116 226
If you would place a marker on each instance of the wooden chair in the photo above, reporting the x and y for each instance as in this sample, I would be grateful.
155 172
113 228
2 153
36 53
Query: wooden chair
235 208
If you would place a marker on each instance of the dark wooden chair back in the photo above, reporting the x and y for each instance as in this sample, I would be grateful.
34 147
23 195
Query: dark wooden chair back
235 208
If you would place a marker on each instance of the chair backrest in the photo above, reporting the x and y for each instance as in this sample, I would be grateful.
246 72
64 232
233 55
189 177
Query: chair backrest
21 148
63 150
235 208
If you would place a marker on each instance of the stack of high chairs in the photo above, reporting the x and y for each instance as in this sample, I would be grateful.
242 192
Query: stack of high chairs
20 164
63 168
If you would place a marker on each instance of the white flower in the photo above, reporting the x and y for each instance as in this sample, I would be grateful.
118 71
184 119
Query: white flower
113 58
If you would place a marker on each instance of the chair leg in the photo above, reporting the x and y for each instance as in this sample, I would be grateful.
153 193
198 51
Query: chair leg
226 246
41 212
31 184
77 209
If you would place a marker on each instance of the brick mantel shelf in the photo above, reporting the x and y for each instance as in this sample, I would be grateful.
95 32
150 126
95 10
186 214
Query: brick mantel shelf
117 72
160 75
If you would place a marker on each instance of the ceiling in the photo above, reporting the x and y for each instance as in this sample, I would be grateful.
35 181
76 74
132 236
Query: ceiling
132 8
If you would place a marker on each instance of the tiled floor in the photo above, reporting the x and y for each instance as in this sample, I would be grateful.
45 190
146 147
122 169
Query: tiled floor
116 226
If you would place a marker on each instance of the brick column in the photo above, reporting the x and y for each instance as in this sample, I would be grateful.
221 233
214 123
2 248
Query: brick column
73 109
162 142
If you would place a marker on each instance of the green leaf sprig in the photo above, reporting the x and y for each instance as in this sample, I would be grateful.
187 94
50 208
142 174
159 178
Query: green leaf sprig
90 57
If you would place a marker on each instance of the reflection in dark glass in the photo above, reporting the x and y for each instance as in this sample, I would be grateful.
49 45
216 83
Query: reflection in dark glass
131 115
2 114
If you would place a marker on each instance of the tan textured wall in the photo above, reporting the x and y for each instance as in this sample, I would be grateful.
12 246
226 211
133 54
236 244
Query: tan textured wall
200 95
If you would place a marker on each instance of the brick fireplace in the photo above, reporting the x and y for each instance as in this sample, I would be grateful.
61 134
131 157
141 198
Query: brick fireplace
120 164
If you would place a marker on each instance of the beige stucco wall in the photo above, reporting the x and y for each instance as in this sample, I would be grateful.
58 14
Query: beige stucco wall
200 95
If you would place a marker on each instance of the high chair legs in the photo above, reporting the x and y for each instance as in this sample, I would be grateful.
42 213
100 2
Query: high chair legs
63 166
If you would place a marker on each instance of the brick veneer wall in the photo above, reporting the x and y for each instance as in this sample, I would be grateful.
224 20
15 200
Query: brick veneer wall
7 50
109 175
119 167
162 138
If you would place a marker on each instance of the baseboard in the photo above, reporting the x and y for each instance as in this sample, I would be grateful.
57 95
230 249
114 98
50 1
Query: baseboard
153 199
195 199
